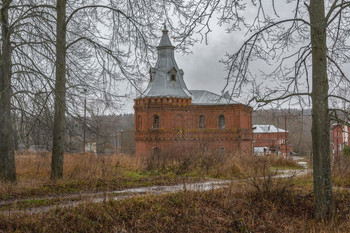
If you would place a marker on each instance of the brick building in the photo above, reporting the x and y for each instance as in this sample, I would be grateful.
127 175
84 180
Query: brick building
270 139
341 137
168 116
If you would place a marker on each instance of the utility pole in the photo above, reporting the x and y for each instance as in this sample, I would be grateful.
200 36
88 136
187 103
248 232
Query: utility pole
84 127
285 132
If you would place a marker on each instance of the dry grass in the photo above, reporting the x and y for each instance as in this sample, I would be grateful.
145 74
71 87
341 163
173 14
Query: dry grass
238 208
76 166
341 171
217 166
282 161
253 205
91 173
203 164
81 173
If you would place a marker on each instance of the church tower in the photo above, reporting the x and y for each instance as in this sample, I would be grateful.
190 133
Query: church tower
170 118
166 79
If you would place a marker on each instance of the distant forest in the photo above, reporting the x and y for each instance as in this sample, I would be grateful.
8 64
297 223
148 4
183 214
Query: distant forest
298 124
37 134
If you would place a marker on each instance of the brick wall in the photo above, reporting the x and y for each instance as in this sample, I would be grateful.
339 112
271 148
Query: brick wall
179 126
273 141
341 137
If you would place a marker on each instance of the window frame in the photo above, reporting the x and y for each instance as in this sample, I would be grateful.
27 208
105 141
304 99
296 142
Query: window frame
221 123
155 122
202 122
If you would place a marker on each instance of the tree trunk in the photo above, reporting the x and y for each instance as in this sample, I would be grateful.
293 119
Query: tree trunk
7 156
320 116
60 94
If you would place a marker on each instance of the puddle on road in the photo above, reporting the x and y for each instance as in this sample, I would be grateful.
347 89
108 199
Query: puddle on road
117 195
122 194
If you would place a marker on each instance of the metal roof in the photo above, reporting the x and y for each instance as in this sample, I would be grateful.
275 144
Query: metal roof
165 41
202 97
161 84
267 129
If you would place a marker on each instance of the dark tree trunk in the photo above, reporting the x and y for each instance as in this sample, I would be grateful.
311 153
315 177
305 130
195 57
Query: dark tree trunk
7 157
320 115
60 94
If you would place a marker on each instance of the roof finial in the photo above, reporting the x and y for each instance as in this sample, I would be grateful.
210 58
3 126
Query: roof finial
165 30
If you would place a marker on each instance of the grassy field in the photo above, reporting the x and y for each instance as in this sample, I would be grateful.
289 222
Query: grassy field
238 208
92 173
251 204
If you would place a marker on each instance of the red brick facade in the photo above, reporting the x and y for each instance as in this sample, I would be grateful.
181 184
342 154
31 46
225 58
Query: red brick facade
275 142
179 126
169 117
341 137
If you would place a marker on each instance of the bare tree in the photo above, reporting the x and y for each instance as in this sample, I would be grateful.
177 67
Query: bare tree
60 93
294 39
7 161
281 38
107 42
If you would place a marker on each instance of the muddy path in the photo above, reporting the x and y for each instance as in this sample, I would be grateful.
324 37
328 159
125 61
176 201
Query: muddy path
45 204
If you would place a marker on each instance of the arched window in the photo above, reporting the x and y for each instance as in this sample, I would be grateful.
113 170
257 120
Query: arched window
202 122
221 122
139 122
155 122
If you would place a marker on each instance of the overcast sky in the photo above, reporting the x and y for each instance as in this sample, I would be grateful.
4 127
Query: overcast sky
202 68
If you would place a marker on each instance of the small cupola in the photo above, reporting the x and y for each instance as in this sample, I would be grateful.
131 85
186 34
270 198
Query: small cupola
166 79
165 41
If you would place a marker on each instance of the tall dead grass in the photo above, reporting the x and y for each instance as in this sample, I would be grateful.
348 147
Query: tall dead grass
341 170
233 209
282 161
76 166
217 165
204 164
81 172
90 171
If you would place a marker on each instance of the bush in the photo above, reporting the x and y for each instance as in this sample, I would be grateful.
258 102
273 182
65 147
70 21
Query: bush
346 151
266 183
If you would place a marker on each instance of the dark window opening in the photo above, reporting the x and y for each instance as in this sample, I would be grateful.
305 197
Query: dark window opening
156 122
202 122
221 122
173 77
150 77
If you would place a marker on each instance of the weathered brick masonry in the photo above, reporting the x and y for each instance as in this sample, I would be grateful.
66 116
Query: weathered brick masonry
168 116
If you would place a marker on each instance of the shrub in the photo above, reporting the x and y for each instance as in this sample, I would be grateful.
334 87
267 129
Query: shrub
346 151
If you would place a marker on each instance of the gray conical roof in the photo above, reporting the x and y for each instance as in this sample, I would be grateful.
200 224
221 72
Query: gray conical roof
165 41
161 83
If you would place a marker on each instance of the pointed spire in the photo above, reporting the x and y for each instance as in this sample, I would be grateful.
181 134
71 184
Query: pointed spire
165 41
